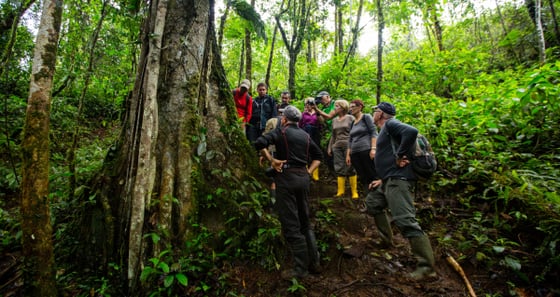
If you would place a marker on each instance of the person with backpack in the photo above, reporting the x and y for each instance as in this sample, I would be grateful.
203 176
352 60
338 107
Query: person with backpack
294 148
263 109
395 147
243 102
362 145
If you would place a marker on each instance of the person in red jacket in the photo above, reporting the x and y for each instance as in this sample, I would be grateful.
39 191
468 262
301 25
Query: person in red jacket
243 102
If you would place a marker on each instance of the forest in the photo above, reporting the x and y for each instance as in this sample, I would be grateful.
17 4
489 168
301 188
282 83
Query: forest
125 170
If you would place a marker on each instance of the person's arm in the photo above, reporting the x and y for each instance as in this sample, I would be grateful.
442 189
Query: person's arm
324 115
249 108
274 163
407 139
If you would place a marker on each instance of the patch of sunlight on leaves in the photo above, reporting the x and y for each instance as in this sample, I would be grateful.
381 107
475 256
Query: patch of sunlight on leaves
498 249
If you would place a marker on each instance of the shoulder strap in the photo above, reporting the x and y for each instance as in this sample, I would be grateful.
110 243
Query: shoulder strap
283 130
367 123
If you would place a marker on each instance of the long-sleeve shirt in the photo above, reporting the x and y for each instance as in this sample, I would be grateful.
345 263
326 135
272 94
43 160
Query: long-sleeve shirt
403 138
243 104
361 134
292 144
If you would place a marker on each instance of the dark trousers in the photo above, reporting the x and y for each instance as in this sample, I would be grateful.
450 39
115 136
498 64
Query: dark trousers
365 168
253 132
292 206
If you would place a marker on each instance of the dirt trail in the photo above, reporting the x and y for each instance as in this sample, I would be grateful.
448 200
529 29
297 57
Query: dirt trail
356 264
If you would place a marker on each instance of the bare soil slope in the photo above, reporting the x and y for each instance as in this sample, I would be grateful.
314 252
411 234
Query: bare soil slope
356 264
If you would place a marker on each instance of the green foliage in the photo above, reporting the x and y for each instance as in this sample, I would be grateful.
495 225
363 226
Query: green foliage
247 12
10 231
188 270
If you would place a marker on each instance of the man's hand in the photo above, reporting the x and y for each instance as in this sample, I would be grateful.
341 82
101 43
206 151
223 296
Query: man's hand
403 161
277 164
374 184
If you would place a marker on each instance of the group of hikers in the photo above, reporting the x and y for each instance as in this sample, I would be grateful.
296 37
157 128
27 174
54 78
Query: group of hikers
375 149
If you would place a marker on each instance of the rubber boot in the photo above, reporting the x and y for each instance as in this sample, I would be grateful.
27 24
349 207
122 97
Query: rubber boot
315 174
341 185
301 262
422 249
354 186
313 251
384 229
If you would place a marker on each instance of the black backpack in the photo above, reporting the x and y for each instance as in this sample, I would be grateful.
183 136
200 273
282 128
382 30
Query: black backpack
424 162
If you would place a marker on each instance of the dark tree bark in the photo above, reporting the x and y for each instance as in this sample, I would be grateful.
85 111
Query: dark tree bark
554 21
39 268
180 144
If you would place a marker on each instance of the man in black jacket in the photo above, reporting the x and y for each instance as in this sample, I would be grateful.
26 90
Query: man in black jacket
394 150
294 148
264 108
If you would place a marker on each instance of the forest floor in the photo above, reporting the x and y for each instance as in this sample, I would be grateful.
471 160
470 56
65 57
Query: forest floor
356 264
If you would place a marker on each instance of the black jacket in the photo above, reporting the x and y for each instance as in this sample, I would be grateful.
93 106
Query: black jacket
403 139
292 144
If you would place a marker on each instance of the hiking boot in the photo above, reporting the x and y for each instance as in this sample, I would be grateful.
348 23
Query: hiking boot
422 272
422 249
384 229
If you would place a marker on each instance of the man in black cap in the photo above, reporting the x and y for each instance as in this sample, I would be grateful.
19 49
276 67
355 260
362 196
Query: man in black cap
294 148
395 148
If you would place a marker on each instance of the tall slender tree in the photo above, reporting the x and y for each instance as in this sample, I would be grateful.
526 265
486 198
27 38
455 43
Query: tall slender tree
296 17
39 269
540 32
380 28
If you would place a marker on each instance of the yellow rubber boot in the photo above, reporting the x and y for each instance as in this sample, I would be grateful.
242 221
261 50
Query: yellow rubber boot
354 186
341 185
315 174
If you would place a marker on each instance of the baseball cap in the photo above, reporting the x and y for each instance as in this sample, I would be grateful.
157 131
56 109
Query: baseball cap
387 108
245 84
321 94
292 113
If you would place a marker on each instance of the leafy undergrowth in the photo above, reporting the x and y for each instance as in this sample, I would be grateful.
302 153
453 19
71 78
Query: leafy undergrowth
356 264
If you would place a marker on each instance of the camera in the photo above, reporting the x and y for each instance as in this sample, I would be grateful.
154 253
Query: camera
270 172
318 100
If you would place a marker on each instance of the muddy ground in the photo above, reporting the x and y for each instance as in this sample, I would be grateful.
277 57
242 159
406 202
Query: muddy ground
356 264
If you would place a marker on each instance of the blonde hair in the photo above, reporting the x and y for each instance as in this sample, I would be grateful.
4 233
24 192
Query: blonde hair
344 104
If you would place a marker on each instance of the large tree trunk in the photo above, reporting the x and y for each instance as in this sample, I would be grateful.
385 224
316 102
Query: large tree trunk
180 144
39 271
